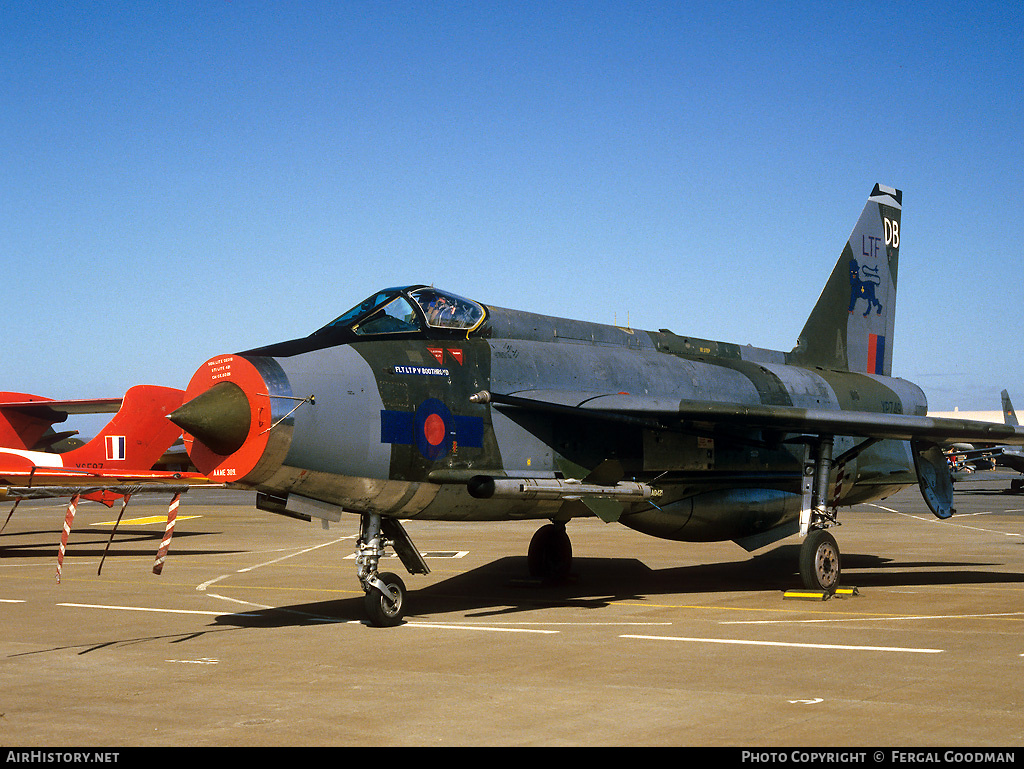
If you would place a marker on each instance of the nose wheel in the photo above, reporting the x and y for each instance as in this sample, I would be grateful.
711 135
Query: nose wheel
385 604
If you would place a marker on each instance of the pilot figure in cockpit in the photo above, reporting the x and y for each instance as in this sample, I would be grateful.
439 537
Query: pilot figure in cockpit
441 312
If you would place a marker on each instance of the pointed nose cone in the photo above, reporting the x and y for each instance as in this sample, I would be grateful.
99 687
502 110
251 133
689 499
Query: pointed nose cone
219 418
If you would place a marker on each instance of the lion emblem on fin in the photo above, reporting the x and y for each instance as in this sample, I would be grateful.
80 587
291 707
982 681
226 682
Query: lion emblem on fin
863 281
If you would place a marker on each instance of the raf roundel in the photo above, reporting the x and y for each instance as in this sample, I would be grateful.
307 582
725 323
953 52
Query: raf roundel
434 425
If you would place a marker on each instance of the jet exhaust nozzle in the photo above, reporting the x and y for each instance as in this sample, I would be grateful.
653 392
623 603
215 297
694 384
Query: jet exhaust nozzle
219 418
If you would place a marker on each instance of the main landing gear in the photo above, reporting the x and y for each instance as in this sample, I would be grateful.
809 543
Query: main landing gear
819 554
819 561
550 555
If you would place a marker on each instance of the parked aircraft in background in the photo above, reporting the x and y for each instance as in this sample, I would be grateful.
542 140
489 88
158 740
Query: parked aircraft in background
1011 456
965 458
116 464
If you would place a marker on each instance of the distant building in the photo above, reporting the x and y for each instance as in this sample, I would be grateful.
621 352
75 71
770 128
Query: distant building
980 416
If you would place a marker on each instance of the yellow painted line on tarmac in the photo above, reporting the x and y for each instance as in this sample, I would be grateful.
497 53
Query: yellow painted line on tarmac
752 609
746 642
146 521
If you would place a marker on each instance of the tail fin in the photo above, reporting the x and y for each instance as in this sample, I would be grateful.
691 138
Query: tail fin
1009 415
136 437
851 326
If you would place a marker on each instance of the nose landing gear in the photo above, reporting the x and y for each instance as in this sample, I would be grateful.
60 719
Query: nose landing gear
385 592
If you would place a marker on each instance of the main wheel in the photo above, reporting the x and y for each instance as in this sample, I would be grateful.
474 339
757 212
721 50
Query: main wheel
384 612
550 554
819 561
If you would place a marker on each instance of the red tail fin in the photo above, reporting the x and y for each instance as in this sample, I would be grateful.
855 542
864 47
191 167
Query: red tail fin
136 437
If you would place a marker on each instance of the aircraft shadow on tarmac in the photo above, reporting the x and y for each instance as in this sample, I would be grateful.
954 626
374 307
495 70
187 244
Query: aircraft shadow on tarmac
92 543
502 588
961 491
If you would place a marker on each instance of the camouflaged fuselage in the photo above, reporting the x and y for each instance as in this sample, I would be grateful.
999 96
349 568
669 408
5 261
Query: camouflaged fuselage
393 429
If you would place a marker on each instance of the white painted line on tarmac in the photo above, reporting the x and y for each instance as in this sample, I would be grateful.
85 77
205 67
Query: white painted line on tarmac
488 628
580 624
237 600
202 587
11 600
868 619
141 608
292 555
744 642
264 607
533 627
948 522
987 531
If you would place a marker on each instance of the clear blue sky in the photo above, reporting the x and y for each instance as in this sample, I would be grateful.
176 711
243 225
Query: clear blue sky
183 179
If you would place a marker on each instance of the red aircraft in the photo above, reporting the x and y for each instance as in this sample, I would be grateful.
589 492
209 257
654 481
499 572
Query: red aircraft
123 460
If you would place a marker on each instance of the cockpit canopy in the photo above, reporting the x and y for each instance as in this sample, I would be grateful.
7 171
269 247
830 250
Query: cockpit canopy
406 310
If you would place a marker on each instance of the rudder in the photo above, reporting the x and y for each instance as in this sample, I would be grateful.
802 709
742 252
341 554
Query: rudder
1009 415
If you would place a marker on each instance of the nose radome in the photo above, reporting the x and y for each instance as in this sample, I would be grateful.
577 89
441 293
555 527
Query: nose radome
219 418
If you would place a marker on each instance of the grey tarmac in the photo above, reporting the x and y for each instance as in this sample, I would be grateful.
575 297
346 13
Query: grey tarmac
254 634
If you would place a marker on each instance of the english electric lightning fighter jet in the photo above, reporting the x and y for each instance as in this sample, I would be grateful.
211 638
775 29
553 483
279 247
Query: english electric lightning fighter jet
420 404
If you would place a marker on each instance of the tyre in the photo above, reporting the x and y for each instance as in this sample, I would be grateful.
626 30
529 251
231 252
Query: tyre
819 561
382 611
550 554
